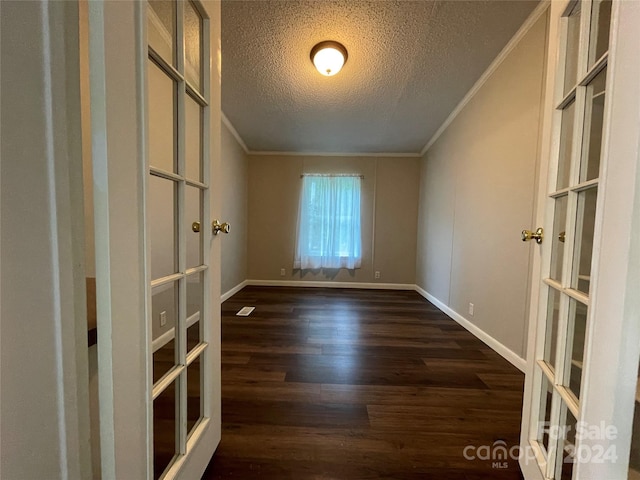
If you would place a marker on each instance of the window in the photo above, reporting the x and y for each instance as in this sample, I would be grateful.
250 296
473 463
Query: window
329 222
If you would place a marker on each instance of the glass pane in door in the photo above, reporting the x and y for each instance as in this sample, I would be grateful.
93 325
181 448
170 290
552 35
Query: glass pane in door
566 146
194 394
193 139
600 25
577 327
573 38
162 118
162 227
161 28
551 331
585 224
194 309
544 419
164 311
164 359
192 47
165 413
558 239
594 114
193 204
566 445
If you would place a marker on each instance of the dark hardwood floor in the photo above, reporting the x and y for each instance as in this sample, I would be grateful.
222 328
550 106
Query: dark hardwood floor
358 384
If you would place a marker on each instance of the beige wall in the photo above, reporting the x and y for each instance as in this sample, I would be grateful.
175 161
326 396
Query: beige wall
234 211
477 191
389 216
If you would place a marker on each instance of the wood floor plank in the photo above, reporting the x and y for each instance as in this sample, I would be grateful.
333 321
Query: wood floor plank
289 361
245 347
260 412
235 358
437 419
366 376
480 365
362 449
502 381
342 384
233 373
272 391
425 349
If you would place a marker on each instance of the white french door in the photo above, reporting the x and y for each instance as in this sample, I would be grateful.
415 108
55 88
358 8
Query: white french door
574 424
572 195
178 249
159 341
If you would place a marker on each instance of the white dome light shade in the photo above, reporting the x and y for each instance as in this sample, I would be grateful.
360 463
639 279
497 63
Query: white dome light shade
328 61
329 57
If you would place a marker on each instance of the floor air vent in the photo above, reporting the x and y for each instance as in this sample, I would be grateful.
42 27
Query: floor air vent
245 311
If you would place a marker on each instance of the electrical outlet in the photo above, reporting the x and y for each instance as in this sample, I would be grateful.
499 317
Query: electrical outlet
163 318
377 274
471 309
282 272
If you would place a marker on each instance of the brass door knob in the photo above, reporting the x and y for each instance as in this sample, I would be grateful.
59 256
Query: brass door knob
195 226
217 227
538 235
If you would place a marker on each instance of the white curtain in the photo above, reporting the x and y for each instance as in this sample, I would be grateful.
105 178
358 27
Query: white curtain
329 223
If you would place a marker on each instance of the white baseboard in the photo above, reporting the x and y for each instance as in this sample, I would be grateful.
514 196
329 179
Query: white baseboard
233 291
508 354
303 283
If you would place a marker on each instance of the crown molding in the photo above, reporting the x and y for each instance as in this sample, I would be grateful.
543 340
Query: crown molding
265 153
234 132
335 154
515 40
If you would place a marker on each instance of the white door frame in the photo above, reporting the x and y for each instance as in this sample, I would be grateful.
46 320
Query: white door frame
608 390
44 428
117 111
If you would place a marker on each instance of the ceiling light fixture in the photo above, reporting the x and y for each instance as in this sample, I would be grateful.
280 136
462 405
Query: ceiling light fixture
329 57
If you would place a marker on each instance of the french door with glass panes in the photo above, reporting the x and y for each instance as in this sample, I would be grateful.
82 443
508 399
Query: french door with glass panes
178 212
562 392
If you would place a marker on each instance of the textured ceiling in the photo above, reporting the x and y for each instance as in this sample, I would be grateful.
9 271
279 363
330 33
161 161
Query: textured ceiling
410 63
